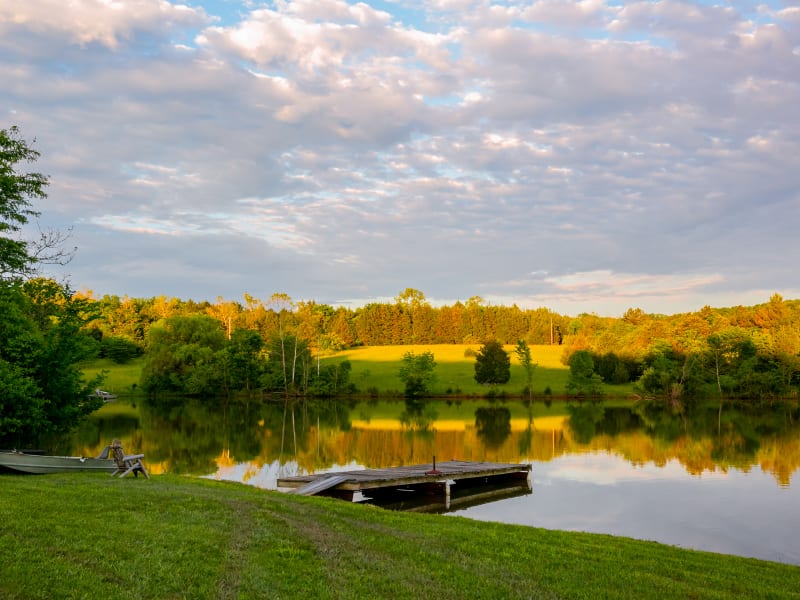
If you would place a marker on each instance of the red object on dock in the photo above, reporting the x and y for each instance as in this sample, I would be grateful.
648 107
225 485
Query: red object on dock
433 471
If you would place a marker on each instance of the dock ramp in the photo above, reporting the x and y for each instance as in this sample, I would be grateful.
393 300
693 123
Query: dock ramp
320 485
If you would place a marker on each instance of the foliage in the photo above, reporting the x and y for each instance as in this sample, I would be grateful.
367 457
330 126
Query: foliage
42 391
241 364
289 365
182 356
492 364
332 379
621 348
119 349
582 378
41 322
417 373
20 258
523 353
16 191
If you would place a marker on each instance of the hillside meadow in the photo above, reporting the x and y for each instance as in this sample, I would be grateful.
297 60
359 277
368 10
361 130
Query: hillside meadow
375 369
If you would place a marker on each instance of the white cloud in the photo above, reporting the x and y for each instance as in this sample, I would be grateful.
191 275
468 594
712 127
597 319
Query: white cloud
106 22
636 153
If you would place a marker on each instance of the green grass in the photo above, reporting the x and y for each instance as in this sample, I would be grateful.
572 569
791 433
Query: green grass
90 536
376 367
119 379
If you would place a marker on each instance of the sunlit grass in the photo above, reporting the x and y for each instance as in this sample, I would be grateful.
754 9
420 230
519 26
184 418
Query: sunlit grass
90 536
378 366
119 378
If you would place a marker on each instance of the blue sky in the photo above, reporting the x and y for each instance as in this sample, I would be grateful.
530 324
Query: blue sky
583 156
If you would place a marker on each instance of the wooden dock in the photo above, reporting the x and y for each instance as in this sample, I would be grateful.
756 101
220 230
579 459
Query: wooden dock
431 478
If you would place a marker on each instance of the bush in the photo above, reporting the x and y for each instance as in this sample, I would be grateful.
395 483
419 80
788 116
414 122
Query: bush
119 349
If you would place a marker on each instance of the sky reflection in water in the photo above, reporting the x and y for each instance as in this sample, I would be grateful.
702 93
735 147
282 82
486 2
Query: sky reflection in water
740 513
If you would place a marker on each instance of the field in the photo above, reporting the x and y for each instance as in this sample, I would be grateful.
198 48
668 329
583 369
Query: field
376 368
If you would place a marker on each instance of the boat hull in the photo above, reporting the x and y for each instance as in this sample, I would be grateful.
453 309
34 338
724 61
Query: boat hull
39 464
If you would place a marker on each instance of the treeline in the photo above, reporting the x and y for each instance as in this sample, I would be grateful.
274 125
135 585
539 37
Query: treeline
740 352
733 352
408 320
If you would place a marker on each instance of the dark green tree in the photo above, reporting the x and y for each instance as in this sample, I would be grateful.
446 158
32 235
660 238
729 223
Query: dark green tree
240 362
332 380
182 356
417 373
582 378
492 364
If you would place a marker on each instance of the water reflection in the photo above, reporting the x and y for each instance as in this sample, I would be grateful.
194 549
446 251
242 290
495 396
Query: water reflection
197 438
493 425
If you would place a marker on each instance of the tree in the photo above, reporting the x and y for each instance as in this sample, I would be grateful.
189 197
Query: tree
582 378
42 391
182 356
225 313
242 361
417 373
18 258
41 322
15 206
492 364
289 364
524 357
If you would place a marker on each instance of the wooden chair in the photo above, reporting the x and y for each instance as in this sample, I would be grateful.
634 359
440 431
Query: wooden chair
127 463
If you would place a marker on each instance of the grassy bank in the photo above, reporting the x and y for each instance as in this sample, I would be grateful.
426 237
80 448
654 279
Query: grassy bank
83 535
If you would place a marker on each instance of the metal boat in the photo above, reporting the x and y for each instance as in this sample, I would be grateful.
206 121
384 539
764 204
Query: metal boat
37 463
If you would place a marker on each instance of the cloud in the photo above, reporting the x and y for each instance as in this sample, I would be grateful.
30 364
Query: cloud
106 22
635 153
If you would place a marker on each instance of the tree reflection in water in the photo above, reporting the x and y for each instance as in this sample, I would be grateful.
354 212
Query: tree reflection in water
493 424
196 437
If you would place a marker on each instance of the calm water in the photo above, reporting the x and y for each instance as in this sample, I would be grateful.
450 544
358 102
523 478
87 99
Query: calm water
706 479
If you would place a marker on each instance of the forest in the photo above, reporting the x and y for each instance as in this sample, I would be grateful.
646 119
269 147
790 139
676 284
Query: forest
200 347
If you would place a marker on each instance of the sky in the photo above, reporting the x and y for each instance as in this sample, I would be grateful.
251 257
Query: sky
588 156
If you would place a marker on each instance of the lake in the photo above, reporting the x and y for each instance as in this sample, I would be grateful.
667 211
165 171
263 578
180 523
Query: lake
709 478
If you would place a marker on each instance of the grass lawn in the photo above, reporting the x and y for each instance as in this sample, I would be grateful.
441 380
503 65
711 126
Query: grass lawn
91 536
